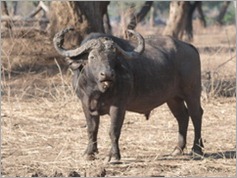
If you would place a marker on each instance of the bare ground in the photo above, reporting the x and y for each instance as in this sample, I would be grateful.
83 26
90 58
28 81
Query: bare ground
42 122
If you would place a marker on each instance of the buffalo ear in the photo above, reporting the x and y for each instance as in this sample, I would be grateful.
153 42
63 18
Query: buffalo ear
77 62
75 66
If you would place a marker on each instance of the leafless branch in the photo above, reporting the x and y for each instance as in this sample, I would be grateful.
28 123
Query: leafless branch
41 6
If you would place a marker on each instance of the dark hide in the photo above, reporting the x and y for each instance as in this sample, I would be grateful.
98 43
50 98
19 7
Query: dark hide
168 71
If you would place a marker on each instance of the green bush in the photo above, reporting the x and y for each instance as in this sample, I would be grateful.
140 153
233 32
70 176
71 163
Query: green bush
229 17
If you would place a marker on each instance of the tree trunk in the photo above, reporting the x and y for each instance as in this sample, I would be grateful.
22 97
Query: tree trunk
4 8
188 35
177 19
14 7
84 16
107 26
223 10
4 11
140 15
201 17
152 16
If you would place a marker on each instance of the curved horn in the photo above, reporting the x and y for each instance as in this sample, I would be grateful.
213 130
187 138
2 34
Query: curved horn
140 40
138 50
59 40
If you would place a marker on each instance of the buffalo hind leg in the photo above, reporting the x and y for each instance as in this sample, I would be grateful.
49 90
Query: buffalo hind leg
180 112
92 131
195 111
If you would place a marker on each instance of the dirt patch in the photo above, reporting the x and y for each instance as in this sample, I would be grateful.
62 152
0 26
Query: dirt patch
43 133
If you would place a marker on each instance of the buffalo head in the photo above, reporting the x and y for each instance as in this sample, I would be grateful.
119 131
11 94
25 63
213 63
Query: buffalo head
101 56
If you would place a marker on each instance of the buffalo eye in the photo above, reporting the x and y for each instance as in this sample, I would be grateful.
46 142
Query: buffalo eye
113 48
92 57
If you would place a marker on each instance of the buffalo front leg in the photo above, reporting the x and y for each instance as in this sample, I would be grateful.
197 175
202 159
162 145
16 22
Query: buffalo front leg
92 131
180 112
117 118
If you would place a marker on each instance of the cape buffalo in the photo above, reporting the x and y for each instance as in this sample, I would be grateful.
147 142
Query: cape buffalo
112 75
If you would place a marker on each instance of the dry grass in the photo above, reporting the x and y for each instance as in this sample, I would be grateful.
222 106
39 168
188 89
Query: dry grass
43 131
217 46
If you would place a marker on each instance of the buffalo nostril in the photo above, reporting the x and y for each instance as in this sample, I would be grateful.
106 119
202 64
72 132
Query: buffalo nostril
102 74
107 75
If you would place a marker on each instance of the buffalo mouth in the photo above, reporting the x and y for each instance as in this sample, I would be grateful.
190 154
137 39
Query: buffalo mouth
106 84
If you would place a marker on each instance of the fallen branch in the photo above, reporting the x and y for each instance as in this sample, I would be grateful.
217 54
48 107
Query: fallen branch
41 6
34 12
44 7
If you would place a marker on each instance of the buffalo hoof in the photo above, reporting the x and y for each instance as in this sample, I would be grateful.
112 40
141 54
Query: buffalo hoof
90 153
197 154
90 157
112 160
177 151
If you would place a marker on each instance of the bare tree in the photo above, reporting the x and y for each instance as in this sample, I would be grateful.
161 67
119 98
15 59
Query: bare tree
135 19
4 8
201 17
152 16
84 16
14 7
188 31
222 13
4 11
43 17
39 7
107 26
177 19
180 19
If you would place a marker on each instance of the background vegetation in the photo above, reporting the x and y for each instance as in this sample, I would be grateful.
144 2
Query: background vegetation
210 8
